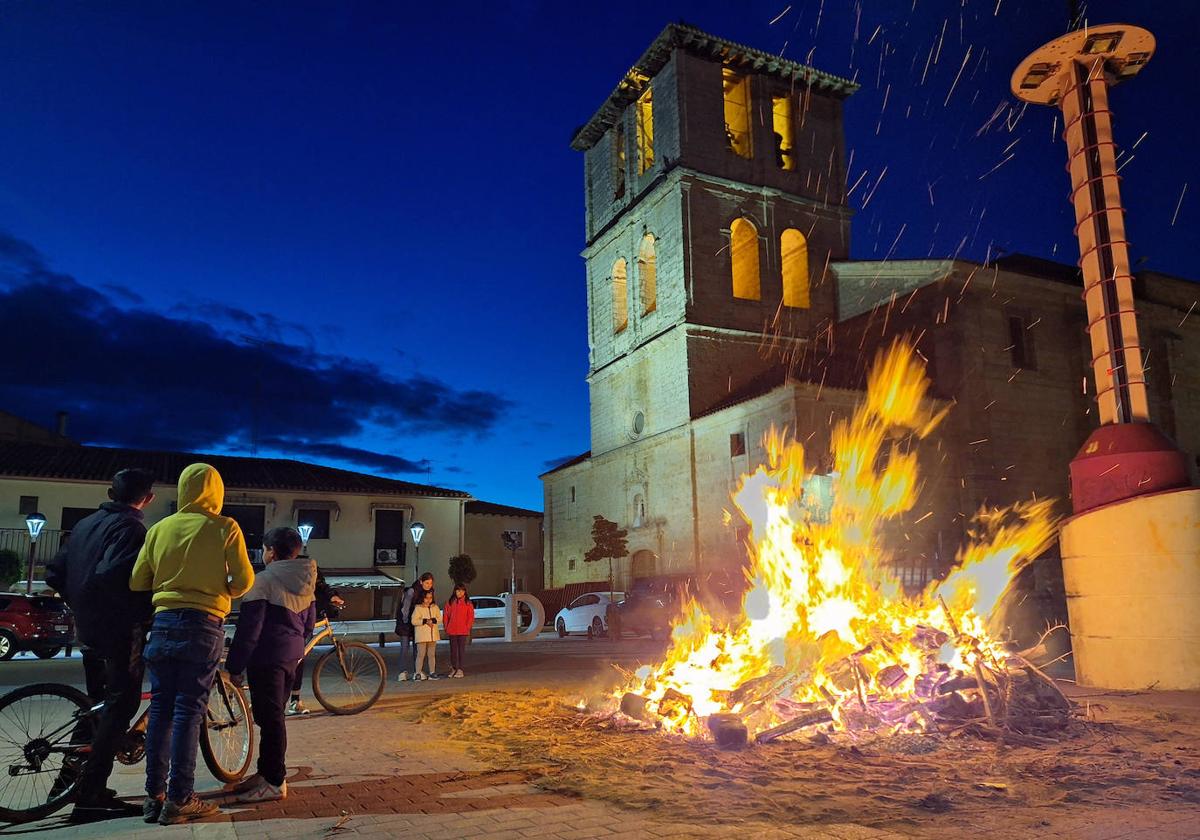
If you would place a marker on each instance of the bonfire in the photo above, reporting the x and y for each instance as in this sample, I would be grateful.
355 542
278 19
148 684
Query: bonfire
828 643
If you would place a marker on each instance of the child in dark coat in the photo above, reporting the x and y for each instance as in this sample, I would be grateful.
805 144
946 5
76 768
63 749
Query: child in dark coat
277 615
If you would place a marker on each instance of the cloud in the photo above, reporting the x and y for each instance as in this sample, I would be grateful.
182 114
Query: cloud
559 461
195 379
376 461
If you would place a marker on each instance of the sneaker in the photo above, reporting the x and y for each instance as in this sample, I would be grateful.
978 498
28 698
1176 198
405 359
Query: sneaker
264 791
195 808
433 676
245 784
403 676
420 677
296 707
152 809
458 674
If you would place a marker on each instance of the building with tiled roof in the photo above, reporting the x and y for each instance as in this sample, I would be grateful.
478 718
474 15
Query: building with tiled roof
361 522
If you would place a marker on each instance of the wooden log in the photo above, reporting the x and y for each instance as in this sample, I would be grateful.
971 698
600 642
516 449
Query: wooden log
811 719
728 730
634 705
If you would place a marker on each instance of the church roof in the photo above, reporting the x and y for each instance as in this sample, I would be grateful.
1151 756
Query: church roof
682 36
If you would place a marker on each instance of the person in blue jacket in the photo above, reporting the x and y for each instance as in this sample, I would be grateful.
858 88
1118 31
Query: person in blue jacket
276 616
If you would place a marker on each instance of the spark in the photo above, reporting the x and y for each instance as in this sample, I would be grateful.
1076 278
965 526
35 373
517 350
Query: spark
856 183
997 166
975 442
1139 140
867 200
941 38
1179 204
1127 160
957 77
779 16
1186 314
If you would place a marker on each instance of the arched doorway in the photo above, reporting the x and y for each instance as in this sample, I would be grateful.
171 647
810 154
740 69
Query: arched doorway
643 564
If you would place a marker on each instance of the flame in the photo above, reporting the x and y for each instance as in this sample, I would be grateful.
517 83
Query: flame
823 619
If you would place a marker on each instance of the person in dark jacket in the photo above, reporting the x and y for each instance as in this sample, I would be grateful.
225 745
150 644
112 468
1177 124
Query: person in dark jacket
404 628
92 574
276 616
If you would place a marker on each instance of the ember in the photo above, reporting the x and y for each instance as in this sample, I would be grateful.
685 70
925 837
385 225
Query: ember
827 636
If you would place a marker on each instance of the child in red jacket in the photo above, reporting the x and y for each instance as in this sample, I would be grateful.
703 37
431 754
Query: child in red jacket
458 617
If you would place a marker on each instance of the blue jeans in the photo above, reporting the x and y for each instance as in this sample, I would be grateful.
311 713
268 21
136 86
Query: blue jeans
182 656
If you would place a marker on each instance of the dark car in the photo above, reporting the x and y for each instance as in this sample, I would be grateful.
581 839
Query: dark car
651 606
40 623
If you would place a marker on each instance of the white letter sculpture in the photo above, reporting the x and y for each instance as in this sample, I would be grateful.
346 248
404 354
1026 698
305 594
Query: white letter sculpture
512 631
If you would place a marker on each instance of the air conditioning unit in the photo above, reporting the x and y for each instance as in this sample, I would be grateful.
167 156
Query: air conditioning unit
387 556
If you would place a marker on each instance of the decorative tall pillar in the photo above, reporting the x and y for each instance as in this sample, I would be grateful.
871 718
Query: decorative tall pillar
1131 553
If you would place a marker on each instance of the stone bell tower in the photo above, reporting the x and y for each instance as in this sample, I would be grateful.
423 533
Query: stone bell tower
715 189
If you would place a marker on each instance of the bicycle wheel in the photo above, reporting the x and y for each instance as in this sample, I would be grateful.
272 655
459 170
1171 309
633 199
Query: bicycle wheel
349 679
227 738
45 731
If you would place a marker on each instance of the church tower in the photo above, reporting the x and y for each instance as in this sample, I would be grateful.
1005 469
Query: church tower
715 191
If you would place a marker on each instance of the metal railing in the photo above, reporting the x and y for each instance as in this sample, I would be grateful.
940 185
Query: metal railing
17 539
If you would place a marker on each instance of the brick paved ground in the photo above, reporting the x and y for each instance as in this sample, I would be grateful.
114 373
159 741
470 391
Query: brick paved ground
375 775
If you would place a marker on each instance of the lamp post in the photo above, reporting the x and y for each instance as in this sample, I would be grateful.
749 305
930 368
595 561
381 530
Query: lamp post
35 522
305 532
417 529
510 543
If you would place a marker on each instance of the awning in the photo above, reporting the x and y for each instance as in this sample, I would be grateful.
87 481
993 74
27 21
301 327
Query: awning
363 581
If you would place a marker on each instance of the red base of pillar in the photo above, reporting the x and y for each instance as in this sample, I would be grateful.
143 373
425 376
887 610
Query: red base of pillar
1124 460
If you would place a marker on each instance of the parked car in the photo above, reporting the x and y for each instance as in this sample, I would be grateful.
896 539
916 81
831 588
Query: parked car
40 623
490 611
652 606
587 614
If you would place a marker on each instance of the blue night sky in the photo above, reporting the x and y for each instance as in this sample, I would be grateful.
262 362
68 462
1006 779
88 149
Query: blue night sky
349 231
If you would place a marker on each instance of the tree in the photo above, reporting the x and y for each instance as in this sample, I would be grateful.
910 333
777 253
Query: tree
609 544
462 569
10 568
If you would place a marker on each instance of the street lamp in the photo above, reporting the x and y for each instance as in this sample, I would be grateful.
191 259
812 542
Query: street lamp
305 532
35 522
510 543
417 529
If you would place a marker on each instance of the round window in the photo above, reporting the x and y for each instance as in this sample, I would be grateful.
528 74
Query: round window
639 423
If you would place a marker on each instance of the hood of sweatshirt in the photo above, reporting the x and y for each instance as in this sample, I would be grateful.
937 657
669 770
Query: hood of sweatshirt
201 490
286 583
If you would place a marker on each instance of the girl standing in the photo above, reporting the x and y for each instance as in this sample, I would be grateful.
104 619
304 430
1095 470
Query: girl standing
425 620
460 617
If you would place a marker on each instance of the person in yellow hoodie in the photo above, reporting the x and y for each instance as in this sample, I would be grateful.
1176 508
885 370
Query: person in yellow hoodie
193 563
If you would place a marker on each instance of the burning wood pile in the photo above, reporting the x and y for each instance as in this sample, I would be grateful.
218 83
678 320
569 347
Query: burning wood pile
828 644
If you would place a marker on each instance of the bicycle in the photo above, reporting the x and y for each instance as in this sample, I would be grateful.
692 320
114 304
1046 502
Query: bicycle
45 737
349 678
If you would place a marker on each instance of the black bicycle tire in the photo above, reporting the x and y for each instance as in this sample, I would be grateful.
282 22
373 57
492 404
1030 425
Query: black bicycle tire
74 695
366 704
210 759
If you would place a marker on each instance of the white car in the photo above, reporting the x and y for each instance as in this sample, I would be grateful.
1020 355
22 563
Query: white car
587 614
490 612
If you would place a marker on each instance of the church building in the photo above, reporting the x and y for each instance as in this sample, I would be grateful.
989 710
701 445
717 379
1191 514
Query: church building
722 302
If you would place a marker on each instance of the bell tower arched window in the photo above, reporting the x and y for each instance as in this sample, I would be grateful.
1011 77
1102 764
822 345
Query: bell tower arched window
620 296
793 248
648 274
743 250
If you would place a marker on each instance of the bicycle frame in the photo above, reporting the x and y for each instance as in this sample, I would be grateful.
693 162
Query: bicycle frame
323 629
